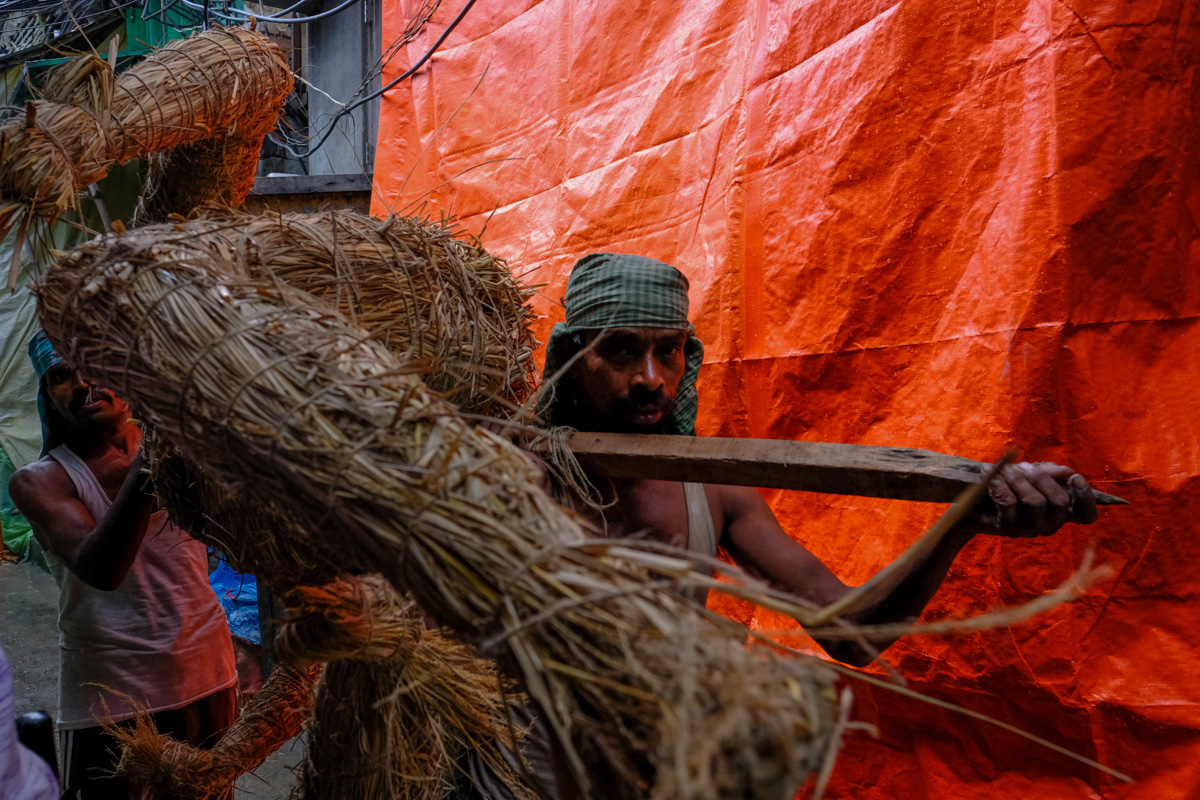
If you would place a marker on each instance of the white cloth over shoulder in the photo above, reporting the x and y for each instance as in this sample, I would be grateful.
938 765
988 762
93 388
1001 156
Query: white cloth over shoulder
23 775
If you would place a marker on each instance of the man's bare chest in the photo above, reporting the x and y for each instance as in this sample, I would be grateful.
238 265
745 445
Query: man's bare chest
111 469
654 510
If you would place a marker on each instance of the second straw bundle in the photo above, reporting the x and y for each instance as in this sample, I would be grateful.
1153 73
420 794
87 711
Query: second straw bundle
225 83
262 385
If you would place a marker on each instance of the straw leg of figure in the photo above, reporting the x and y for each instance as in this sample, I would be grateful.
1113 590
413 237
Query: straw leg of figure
398 704
156 758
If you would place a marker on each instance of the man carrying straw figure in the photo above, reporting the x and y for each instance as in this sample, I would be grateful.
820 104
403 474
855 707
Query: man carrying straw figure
626 361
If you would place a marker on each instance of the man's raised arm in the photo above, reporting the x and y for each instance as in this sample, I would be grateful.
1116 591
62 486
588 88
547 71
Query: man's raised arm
1033 500
99 554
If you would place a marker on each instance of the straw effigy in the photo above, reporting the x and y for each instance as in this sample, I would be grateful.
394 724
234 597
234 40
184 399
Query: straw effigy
260 384
225 83
170 768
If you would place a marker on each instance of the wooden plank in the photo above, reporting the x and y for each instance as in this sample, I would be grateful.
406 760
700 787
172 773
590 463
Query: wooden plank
898 473
307 184
308 202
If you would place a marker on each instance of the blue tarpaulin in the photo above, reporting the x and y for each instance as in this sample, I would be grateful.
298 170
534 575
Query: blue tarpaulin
238 594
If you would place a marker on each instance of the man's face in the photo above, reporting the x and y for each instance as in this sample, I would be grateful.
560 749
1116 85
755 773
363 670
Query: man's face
628 379
81 402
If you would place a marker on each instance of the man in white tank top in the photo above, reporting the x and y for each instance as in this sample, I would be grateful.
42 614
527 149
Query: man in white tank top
140 627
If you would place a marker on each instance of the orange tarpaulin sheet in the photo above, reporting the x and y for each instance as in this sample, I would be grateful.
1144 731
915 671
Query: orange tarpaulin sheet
950 225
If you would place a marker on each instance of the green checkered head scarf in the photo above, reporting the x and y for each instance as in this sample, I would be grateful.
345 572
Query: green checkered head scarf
611 290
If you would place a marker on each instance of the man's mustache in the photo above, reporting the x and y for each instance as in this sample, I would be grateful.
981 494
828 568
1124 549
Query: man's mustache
642 400
88 395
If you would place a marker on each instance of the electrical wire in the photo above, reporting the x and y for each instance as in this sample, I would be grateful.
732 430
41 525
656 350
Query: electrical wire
243 15
408 73
207 13
418 21
55 24
291 9
182 16
278 15
65 19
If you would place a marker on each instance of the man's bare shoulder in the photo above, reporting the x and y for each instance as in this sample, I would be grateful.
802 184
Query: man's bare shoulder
741 512
43 476
734 498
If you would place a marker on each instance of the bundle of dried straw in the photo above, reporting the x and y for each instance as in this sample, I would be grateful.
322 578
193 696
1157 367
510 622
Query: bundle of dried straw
262 385
225 83
434 298
475 336
427 294
171 768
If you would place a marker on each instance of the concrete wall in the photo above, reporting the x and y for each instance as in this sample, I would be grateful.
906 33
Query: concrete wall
341 50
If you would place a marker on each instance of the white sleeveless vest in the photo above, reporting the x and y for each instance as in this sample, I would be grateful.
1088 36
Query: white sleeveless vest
160 638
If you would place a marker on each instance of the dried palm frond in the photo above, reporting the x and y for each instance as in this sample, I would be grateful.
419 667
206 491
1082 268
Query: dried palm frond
261 385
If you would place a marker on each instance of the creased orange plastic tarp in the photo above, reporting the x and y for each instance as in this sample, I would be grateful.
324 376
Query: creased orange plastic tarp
940 223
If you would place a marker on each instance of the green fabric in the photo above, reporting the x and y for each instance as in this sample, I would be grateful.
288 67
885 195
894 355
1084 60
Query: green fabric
612 290
13 527
20 433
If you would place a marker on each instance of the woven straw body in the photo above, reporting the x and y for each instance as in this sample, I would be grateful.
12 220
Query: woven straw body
474 335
